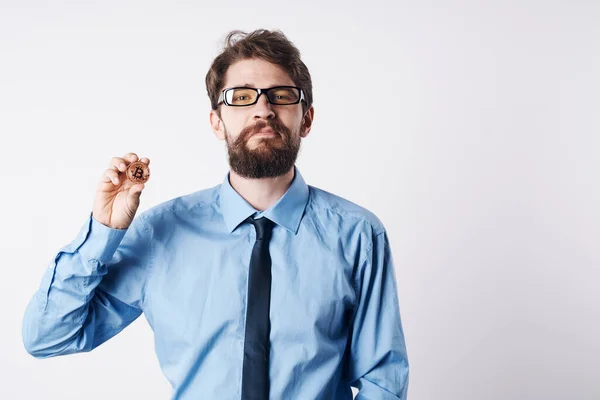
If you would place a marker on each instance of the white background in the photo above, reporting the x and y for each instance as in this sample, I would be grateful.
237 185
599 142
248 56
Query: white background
470 128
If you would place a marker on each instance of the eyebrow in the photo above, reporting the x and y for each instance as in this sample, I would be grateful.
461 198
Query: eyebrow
248 85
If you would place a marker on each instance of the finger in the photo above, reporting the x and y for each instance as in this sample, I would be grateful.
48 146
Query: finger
137 188
110 175
118 164
133 197
145 160
131 157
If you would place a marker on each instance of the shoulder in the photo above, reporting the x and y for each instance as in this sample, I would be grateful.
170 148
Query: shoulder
196 202
345 210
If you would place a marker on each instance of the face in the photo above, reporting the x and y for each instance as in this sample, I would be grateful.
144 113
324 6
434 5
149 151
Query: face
263 140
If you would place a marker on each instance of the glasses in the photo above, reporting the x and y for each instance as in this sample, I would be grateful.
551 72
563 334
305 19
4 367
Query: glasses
246 96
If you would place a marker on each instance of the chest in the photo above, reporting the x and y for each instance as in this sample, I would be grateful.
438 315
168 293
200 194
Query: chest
198 286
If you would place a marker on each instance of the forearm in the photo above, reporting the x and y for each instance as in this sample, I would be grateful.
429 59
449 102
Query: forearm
61 316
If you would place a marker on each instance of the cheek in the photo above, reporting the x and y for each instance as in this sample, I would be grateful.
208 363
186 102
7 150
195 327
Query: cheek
291 119
298 118
233 123
232 131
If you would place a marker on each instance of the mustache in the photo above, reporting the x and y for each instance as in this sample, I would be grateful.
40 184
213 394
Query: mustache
276 126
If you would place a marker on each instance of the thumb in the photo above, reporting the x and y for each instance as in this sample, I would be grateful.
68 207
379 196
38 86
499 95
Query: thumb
133 197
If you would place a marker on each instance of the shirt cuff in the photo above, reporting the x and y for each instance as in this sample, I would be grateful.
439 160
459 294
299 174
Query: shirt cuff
98 241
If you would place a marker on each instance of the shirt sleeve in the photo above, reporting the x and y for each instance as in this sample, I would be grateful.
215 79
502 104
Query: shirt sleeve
378 364
92 289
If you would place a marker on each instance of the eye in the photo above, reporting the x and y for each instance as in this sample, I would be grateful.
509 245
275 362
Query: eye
284 95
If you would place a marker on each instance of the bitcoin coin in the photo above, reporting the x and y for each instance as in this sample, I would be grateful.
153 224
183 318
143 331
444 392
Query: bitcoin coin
138 172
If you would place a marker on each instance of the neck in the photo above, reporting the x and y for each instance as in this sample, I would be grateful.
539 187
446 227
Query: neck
261 193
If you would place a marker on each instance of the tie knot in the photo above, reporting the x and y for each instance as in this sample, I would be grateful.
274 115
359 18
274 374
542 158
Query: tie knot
263 227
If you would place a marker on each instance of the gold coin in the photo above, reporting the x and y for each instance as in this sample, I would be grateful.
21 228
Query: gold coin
138 172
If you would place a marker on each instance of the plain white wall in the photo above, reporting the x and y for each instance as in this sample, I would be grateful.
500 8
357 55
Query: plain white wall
470 128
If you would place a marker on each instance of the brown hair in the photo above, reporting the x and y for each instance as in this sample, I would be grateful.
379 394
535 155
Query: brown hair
271 46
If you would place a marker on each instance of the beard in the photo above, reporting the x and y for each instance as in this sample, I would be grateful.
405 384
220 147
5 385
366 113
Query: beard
271 157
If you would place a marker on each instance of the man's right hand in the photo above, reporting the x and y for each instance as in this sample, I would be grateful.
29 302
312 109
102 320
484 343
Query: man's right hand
117 198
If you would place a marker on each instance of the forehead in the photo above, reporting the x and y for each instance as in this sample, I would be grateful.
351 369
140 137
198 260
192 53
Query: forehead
256 73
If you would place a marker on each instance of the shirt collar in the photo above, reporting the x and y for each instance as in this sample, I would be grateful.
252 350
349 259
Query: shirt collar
286 212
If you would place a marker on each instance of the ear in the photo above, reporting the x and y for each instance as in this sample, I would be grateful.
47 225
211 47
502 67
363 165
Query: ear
307 121
217 125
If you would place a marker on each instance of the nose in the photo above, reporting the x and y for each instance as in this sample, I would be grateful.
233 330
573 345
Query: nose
262 108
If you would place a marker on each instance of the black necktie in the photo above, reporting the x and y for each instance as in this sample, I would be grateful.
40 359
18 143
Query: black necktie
255 373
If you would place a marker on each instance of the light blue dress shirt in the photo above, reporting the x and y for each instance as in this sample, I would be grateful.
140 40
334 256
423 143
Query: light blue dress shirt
335 318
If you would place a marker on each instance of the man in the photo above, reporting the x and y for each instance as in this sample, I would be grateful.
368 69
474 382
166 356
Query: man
261 287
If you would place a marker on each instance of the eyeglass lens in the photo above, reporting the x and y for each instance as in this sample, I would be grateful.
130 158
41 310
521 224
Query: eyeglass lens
247 96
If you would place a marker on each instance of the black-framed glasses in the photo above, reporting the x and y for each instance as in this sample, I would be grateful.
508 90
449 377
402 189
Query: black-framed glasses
247 96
